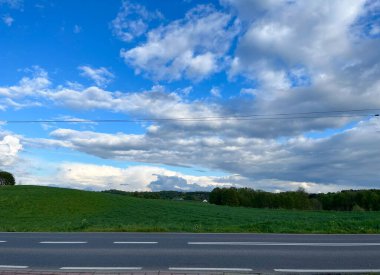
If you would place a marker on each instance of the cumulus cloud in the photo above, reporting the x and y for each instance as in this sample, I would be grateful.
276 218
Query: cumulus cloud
175 183
100 76
105 177
306 56
35 86
131 21
30 90
10 146
193 47
300 53
294 32
154 103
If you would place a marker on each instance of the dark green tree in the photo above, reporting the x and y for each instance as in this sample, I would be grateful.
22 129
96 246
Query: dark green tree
6 178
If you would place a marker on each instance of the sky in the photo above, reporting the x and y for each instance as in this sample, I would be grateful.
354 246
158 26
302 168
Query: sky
190 95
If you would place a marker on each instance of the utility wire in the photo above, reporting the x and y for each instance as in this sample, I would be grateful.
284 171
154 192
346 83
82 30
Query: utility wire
278 116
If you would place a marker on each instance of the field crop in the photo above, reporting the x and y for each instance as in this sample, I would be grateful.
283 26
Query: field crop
36 208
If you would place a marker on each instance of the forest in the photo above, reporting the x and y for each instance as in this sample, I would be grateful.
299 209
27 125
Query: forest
346 200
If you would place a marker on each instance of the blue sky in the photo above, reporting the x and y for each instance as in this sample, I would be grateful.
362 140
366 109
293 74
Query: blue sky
128 60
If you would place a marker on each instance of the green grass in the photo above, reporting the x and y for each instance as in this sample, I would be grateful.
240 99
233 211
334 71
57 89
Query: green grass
34 208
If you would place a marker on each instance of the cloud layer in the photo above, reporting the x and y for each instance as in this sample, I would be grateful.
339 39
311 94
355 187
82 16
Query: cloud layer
303 70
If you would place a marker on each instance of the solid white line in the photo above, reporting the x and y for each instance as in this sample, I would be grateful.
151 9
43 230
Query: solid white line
135 242
62 242
208 269
328 270
13 266
283 244
99 268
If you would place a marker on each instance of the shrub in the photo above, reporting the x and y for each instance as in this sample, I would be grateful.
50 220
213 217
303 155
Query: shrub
357 208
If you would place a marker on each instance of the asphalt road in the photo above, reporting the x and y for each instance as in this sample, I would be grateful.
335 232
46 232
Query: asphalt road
266 253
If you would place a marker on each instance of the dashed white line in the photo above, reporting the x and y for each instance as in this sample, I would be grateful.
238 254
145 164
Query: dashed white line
208 269
327 270
99 268
3 241
283 244
49 242
135 242
13 266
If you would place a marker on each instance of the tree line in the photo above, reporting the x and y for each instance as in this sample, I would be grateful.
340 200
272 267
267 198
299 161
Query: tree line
347 200
165 195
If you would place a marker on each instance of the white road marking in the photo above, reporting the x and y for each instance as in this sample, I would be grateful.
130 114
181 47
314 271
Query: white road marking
13 266
283 244
327 270
62 242
208 269
135 242
3 241
99 268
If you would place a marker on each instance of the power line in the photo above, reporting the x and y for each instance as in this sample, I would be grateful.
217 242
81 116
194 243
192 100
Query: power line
277 116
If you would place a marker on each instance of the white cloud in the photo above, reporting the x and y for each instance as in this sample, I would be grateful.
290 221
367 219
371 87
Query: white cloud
155 103
131 21
105 177
100 76
8 20
284 34
30 90
159 103
176 183
193 47
10 146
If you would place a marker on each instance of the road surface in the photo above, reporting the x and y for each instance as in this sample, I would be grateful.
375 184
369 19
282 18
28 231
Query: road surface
177 252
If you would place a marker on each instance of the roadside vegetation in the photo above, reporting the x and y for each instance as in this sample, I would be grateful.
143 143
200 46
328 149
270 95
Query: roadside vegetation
36 208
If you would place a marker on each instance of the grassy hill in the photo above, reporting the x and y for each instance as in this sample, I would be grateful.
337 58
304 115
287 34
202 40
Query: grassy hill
36 208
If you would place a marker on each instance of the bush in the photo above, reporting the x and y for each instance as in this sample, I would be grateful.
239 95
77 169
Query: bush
6 178
357 208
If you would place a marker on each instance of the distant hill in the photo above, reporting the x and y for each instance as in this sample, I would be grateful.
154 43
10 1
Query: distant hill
36 208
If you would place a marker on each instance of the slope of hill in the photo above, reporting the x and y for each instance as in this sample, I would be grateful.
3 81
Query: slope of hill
36 208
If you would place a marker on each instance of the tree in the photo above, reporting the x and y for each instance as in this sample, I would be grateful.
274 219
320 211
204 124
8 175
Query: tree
215 196
6 178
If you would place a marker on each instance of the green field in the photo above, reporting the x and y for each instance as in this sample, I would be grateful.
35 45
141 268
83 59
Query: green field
33 208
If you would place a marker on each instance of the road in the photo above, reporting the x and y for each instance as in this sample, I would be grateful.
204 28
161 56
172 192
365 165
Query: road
267 253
